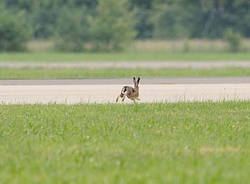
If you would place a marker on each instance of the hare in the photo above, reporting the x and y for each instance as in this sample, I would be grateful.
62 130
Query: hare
131 92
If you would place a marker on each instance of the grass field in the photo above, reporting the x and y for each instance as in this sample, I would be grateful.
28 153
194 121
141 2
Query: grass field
124 56
146 143
78 73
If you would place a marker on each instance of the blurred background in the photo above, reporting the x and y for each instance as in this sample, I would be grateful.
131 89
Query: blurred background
134 31
112 25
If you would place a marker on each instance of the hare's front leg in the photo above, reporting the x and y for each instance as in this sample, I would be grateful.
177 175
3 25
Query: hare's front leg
123 98
117 99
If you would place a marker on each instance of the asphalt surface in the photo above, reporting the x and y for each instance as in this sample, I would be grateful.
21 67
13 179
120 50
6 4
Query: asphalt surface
126 81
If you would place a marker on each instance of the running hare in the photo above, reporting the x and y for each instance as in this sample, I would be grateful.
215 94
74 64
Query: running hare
131 92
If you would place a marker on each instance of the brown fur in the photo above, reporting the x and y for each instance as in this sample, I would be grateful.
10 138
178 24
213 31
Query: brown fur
130 92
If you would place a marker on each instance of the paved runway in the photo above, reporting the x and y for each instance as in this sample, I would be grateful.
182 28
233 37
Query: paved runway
74 91
126 81
106 93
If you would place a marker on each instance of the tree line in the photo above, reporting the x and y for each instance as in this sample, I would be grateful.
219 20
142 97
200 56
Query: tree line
112 24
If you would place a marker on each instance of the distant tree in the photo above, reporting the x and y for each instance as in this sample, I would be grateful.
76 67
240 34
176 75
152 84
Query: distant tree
150 18
113 26
43 16
143 11
171 21
89 4
72 29
200 18
14 34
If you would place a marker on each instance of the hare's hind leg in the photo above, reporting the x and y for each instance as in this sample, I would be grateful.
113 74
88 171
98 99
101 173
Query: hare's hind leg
134 100
123 98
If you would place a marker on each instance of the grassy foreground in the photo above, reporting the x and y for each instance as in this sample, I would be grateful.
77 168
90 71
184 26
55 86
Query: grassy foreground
145 143
124 56
78 73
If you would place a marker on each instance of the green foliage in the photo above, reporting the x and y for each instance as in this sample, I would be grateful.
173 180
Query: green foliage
113 26
143 12
45 15
200 19
234 40
72 30
171 21
13 32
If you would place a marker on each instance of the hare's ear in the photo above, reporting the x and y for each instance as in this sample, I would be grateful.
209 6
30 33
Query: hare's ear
134 80
138 80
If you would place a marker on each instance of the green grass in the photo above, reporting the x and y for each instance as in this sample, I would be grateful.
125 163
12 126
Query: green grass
146 143
124 56
78 73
